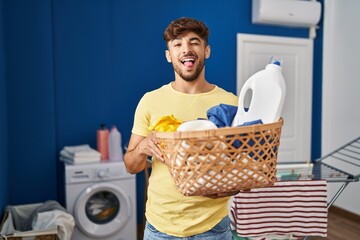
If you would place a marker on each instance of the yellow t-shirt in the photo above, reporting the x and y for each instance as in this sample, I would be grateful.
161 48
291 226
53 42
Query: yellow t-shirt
166 208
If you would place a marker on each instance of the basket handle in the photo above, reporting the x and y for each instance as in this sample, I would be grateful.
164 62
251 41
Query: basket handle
200 133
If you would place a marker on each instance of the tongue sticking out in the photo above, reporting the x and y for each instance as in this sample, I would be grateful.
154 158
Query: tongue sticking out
188 64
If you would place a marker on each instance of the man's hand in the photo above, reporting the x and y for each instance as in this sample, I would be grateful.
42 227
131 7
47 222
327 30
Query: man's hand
139 149
150 147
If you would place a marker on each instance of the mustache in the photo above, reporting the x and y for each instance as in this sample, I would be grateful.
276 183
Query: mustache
190 54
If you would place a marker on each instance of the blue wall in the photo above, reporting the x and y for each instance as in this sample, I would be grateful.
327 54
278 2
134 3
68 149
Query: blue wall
3 135
73 64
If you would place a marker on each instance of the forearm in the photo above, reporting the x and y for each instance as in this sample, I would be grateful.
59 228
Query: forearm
139 149
135 161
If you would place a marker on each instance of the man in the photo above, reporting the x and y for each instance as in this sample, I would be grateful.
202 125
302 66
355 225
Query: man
171 215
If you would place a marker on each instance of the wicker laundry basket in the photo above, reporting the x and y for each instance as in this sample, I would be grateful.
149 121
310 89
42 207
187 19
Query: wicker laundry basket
222 160
38 237
9 231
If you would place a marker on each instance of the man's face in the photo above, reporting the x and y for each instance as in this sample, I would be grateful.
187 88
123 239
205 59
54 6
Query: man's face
187 55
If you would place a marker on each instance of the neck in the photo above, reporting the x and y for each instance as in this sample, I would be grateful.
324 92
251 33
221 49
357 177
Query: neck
193 87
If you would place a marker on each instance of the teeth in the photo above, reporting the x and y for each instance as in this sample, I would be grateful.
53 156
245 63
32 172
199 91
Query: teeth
188 60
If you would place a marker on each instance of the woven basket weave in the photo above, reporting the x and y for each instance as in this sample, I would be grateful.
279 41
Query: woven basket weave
222 160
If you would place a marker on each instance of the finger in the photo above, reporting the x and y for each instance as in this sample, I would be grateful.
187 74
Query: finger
155 150
158 153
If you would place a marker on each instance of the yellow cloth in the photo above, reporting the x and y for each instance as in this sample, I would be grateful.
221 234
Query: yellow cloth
166 124
166 208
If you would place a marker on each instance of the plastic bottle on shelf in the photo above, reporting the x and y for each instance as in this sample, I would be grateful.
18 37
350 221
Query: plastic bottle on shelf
115 149
268 95
102 136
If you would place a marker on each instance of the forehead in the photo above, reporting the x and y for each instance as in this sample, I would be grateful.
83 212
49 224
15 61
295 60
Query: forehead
188 37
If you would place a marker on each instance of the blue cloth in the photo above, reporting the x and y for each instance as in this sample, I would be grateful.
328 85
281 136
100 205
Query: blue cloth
222 115
258 121
237 143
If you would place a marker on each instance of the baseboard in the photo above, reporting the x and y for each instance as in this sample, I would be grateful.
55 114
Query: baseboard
140 231
345 213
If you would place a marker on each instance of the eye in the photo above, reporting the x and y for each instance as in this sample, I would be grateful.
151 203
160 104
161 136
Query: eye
195 41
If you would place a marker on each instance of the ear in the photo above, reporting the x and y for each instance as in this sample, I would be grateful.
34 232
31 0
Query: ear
207 51
167 55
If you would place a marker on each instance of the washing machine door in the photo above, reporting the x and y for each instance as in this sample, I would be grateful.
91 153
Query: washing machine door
101 210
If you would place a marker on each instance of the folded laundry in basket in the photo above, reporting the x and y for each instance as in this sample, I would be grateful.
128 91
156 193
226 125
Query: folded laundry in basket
289 207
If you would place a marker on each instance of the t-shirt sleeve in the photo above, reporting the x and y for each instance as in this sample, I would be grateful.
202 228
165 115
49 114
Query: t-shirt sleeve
141 118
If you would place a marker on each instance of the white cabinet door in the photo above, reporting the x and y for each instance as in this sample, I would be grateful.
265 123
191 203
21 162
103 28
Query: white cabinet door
253 53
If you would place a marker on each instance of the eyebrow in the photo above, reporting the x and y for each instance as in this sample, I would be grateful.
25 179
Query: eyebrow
191 39
195 38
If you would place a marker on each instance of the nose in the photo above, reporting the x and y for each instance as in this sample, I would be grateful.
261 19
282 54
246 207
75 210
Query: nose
186 48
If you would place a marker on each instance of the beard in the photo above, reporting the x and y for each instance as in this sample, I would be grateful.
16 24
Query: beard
189 77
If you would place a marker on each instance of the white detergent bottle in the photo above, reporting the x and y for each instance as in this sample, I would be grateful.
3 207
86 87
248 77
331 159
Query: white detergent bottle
115 149
268 95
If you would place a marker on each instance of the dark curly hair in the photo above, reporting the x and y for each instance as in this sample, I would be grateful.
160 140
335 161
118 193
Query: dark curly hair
185 25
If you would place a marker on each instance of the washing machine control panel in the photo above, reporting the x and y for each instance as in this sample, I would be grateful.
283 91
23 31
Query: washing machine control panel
102 173
95 172
107 173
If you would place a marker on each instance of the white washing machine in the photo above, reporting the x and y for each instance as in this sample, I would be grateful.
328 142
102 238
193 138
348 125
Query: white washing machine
102 199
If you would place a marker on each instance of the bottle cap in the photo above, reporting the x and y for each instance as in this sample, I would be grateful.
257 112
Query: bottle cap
276 60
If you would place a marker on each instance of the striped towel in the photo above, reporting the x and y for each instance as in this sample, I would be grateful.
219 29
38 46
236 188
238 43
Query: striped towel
298 208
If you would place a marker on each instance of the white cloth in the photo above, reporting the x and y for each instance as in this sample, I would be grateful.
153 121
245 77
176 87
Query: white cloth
79 161
56 218
80 151
289 207
79 154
